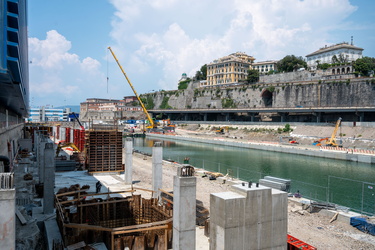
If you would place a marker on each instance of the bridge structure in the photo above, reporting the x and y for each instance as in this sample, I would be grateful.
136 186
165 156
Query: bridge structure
296 114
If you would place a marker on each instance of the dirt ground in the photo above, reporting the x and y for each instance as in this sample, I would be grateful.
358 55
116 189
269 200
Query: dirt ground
351 137
312 228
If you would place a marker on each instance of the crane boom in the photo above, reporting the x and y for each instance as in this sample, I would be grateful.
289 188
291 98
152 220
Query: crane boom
332 140
152 123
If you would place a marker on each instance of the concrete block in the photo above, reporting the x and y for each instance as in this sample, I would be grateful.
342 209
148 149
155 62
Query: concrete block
226 209
279 218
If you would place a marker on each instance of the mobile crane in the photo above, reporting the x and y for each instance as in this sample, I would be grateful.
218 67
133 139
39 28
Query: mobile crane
332 141
153 125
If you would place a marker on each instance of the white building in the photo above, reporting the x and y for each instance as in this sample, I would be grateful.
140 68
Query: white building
44 114
324 55
265 66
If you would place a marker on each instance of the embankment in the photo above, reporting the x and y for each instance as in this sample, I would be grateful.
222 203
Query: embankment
299 150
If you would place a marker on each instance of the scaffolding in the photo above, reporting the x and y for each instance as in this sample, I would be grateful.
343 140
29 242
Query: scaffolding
103 149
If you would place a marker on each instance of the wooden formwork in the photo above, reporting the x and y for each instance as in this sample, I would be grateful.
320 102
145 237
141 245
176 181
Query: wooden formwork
104 150
132 222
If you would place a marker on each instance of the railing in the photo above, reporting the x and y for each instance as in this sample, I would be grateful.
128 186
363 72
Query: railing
6 180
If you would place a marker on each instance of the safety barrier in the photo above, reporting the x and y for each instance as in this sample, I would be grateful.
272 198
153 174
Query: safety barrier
349 150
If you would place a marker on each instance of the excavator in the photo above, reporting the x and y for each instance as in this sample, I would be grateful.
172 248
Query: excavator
332 140
152 124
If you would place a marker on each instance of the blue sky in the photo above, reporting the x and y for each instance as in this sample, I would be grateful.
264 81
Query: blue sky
158 40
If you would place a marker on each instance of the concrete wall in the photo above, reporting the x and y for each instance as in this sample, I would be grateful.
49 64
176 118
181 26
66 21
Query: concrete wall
7 219
340 92
10 135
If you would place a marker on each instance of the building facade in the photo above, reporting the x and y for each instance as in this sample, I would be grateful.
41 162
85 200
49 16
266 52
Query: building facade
230 69
265 66
14 69
106 110
44 114
345 51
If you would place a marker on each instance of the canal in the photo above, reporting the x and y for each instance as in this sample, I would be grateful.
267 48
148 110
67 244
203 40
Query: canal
347 184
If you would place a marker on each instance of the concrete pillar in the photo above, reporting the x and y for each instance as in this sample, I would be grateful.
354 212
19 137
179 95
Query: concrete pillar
128 160
157 169
205 117
49 182
252 115
7 212
184 212
41 152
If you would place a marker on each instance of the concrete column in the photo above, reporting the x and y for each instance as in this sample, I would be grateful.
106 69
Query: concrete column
184 212
7 214
41 152
49 182
128 160
205 117
157 169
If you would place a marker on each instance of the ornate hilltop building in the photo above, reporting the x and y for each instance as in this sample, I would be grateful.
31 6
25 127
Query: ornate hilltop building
344 52
229 69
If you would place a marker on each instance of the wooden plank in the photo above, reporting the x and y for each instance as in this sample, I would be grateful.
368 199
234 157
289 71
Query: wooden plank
89 227
166 192
151 224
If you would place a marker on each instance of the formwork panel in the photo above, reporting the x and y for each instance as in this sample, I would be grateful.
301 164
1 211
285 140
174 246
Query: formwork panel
104 151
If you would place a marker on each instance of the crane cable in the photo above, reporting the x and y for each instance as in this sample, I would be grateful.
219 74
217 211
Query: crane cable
107 70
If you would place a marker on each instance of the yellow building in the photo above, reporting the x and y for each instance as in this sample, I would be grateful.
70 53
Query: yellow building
229 69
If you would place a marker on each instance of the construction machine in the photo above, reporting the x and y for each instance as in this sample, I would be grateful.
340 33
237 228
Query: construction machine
66 145
153 124
80 124
222 130
168 125
319 142
332 141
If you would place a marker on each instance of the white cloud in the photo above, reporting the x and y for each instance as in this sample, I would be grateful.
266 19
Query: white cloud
57 74
166 38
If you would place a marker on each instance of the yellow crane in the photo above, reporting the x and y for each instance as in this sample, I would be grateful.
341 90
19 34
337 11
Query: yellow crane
152 123
332 140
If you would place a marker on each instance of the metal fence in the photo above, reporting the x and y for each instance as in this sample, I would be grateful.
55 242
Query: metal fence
358 196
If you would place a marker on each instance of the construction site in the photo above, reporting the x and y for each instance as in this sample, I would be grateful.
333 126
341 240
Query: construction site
96 203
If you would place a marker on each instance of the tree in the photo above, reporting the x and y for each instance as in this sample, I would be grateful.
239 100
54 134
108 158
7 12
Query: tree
252 76
291 63
184 84
365 66
324 66
202 73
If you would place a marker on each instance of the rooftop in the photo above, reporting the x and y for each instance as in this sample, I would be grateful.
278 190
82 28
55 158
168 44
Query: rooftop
334 47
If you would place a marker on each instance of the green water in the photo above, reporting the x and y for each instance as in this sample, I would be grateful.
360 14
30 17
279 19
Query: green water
348 184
